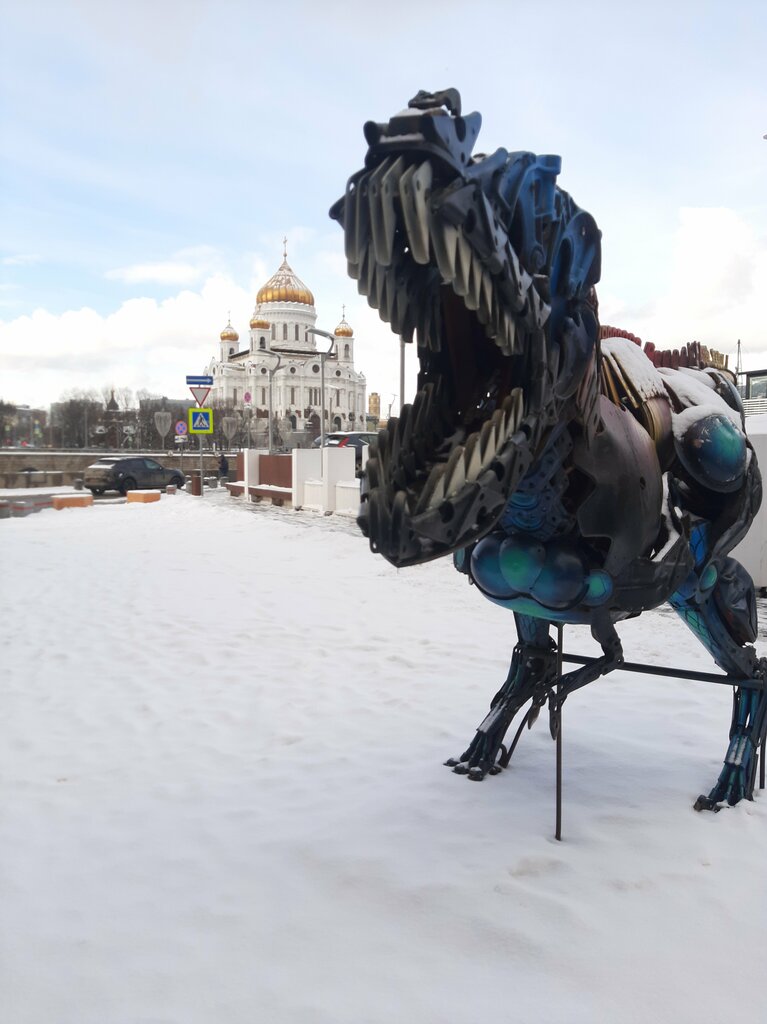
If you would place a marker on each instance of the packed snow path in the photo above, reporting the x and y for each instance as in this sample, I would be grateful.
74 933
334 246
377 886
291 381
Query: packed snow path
223 799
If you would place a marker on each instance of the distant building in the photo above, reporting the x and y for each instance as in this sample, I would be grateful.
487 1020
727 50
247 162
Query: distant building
752 385
23 426
279 328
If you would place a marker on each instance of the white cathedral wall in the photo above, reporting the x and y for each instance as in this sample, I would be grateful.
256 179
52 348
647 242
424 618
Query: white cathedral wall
292 393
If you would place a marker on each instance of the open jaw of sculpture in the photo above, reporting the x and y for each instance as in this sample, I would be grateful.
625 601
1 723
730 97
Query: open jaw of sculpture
571 479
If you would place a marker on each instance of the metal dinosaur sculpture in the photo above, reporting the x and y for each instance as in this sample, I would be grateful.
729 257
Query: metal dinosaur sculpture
572 480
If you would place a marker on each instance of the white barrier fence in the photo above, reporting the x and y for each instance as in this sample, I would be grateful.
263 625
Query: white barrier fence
324 480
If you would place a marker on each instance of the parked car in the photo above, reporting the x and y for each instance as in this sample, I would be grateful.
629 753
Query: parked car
357 439
115 474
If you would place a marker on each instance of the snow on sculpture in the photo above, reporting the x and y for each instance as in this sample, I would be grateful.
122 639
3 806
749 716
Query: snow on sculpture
572 479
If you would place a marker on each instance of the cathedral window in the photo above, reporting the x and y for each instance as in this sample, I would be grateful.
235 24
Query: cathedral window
284 332
263 396
346 351
296 337
262 343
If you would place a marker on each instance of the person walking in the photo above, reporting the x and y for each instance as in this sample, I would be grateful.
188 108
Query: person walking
223 467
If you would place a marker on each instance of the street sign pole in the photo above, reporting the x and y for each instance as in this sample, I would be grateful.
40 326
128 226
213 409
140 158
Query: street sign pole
200 386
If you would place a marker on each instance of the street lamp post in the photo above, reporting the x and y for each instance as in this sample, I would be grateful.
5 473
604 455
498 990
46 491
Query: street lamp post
330 354
271 371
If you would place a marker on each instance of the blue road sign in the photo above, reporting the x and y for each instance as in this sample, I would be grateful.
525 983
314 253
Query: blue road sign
199 381
200 421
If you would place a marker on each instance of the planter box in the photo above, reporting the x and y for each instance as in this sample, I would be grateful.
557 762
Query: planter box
72 500
142 497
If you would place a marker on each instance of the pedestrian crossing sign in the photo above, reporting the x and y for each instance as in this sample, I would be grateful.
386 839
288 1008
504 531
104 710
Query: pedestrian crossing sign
200 421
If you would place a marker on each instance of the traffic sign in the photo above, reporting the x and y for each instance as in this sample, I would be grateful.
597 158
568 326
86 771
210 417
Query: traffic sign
200 421
180 427
200 394
201 380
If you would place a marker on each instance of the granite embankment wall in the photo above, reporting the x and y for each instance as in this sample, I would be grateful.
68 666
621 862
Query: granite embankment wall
38 467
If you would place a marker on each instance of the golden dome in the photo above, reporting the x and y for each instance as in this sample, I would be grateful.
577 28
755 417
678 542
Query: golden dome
229 333
258 323
284 286
343 330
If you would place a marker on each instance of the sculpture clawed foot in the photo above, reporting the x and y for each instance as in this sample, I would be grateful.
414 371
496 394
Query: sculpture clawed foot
736 781
487 754
481 758
531 675
737 778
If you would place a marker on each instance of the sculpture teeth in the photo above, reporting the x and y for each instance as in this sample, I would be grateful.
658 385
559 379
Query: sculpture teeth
444 239
385 295
390 192
455 473
486 446
511 334
474 296
372 280
361 222
494 442
363 270
471 457
434 489
462 280
518 396
415 191
486 299
383 241
357 221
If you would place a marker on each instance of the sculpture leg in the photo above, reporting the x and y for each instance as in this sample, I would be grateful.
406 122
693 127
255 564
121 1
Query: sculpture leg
531 675
718 605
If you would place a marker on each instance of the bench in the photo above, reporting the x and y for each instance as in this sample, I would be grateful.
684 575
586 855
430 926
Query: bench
278 495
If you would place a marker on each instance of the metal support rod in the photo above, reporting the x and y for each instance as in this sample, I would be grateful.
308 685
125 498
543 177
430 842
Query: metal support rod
762 752
558 824
675 673
202 478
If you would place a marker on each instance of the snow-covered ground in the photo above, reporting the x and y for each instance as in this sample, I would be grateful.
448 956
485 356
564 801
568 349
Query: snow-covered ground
223 799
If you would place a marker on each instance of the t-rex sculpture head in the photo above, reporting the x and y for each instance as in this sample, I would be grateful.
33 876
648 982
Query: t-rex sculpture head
492 267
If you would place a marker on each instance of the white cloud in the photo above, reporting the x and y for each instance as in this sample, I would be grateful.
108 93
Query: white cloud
186 267
20 260
161 273
143 344
715 289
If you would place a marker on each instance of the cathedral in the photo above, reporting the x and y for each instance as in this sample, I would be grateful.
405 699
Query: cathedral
281 347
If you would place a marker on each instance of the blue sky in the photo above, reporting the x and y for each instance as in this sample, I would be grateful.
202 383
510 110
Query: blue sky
154 155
